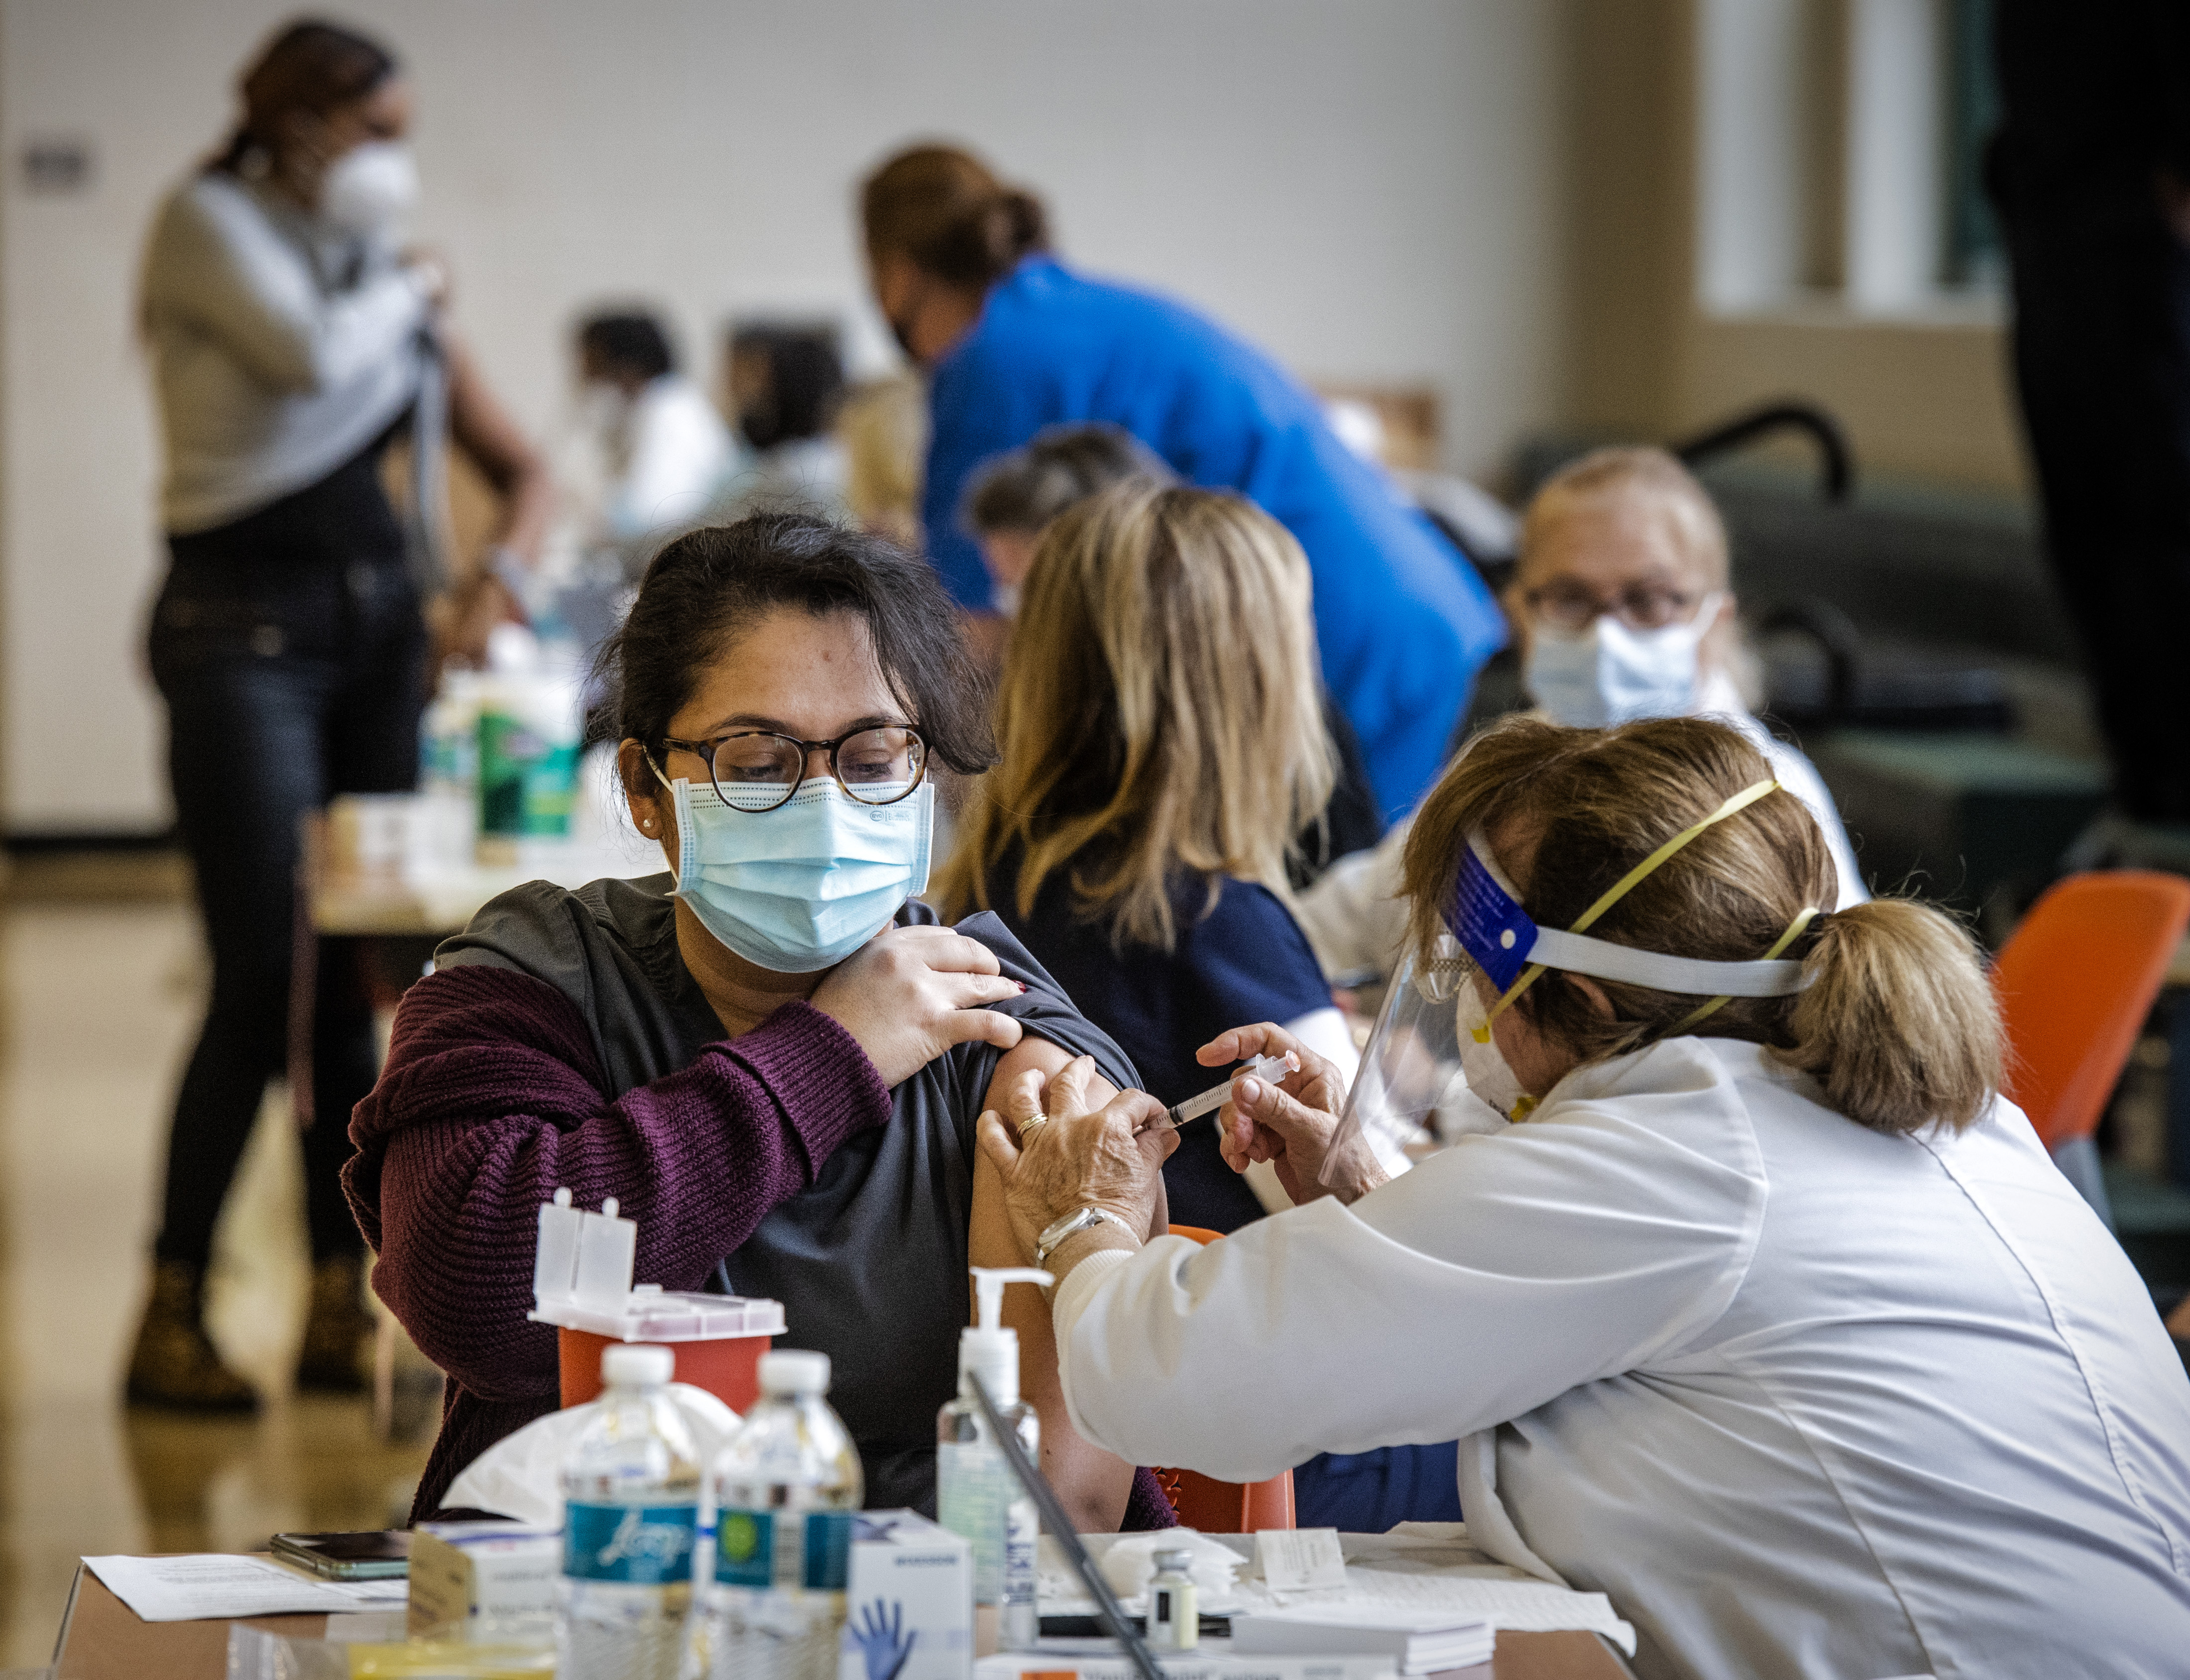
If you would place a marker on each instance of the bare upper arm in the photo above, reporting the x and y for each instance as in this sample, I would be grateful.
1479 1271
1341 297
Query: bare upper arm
1040 1054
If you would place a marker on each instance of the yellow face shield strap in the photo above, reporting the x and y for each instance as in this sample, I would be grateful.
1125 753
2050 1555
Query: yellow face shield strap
1626 883
1802 919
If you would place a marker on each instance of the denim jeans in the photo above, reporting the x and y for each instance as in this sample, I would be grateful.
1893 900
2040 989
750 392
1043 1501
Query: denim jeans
292 652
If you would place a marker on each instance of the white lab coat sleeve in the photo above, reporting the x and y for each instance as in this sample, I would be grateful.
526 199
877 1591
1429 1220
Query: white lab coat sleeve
1355 916
215 262
1489 1280
1800 777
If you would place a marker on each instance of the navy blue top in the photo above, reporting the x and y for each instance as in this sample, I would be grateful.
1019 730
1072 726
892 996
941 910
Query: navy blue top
1401 620
1246 961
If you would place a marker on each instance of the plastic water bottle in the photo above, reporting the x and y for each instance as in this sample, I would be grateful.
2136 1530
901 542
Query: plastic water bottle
781 1495
631 1491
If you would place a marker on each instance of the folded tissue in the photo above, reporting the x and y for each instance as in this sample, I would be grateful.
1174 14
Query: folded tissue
518 1476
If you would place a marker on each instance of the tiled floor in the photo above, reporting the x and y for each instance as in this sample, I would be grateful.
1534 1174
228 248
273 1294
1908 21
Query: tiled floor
97 1003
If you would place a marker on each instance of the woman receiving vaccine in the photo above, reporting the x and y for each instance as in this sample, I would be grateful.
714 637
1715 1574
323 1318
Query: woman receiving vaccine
289 344
771 1054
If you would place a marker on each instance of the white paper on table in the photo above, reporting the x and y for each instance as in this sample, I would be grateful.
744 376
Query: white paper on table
1293 1560
209 1586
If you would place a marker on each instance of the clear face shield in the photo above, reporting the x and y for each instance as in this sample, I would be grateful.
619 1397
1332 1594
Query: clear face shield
1432 1072
1412 1094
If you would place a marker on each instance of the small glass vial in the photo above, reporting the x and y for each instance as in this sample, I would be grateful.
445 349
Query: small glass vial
1174 1617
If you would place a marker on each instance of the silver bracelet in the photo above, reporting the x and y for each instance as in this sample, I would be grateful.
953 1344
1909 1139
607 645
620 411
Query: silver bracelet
1079 1220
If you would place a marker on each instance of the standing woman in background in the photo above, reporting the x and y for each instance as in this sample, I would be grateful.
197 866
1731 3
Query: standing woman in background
1014 340
288 341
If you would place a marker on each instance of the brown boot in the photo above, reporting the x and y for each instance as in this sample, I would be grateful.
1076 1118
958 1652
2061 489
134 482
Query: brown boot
339 1331
175 1364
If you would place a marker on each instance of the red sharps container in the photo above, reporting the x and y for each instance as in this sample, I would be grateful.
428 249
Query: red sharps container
582 1284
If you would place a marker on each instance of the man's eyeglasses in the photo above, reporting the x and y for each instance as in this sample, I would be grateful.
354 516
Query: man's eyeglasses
755 770
1571 607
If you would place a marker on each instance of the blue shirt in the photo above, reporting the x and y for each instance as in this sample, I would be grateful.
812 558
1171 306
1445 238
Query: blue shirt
1246 961
1403 622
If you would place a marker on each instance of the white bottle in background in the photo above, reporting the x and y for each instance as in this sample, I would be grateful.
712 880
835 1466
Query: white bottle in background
781 1500
631 1492
448 773
976 1495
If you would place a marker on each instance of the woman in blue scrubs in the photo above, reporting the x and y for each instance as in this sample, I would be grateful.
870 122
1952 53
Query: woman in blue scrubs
1015 341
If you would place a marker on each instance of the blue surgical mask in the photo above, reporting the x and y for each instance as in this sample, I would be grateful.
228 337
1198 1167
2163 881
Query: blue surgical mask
1610 674
799 888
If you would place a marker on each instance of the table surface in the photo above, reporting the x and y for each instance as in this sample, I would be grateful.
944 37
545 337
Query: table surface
392 903
101 1639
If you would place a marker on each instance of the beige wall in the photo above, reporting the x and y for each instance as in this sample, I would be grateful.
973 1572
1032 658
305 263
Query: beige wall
1369 188
1928 398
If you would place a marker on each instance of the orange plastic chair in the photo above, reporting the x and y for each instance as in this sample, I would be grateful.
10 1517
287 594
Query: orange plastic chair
2076 981
1212 1506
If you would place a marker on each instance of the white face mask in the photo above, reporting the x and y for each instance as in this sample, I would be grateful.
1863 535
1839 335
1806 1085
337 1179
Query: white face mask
370 188
1004 599
1489 1078
1610 674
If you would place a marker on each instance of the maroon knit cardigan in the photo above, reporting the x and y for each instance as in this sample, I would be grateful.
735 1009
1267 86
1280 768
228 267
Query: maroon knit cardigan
492 1099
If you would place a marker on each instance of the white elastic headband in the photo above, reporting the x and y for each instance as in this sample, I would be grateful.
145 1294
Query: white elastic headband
1487 919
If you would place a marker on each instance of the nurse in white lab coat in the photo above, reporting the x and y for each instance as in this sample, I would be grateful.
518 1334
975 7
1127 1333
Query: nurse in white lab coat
1770 1318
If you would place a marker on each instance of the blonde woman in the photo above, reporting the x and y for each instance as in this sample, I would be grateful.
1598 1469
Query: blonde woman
1162 736
1161 740
1771 1320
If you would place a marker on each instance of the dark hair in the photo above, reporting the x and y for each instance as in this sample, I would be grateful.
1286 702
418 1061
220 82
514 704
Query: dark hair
310 65
629 341
1031 485
708 586
805 381
943 207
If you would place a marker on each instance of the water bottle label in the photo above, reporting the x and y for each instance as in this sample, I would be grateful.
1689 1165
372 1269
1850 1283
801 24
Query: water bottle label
646 1545
828 1550
750 1552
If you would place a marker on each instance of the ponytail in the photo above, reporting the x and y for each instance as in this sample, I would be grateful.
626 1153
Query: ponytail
943 209
1898 1022
1895 1021
309 65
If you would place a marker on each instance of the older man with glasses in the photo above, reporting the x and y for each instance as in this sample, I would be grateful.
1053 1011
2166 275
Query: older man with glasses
1621 608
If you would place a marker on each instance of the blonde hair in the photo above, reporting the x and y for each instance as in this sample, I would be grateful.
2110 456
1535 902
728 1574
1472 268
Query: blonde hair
1158 712
1697 529
884 427
1896 1022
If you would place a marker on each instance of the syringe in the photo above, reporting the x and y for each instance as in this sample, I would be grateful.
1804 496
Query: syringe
1262 1067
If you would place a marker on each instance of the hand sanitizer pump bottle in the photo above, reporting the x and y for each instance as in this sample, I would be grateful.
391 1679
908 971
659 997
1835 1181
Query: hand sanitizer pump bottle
976 1495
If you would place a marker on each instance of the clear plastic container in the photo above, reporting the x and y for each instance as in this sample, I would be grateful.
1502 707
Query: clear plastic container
976 1494
781 1499
631 1491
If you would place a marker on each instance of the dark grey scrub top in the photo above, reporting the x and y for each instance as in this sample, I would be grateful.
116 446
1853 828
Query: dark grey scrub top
869 1262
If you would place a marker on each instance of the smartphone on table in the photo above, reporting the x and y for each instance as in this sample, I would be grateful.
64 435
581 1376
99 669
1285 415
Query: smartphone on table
371 1554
